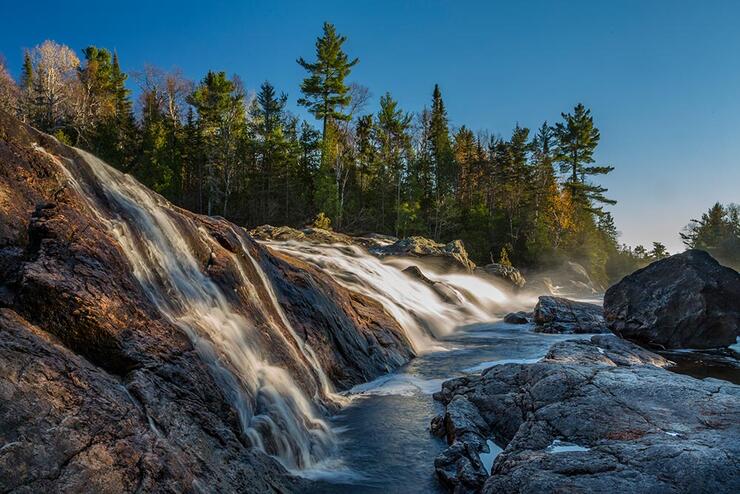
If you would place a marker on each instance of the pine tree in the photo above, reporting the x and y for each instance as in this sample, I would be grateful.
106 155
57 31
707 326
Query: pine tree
325 92
326 95
717 232
577 140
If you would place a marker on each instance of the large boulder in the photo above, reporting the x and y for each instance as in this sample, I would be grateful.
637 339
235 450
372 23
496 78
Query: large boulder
592 416
684 301
450 255
560 315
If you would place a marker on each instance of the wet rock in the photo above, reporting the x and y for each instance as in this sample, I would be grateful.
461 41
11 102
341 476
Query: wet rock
450 255
520 317
687 300
509 274
560 315
445 292
354 338
99 391
597 416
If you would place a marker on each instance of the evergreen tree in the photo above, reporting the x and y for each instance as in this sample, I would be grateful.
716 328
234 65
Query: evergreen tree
222 124
271 151
441 163
717 232
325 92
577 140
326 95
394 148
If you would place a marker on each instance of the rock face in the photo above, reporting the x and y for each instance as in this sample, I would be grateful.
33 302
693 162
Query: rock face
451 255
592 416
102 393
560 315
684 301
507 273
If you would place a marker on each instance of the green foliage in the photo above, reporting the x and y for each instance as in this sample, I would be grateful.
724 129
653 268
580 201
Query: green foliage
717 232
325 92
577 140
527 199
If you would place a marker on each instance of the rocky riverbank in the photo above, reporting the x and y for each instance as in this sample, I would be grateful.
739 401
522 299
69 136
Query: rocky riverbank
592 416
604 415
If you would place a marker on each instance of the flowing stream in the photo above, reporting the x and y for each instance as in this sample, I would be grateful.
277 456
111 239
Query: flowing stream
379 441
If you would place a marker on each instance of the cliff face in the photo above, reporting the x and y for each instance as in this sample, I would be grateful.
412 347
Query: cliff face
112 381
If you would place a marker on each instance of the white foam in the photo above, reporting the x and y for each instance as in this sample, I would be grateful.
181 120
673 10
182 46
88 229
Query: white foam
485 365
397 384
559 446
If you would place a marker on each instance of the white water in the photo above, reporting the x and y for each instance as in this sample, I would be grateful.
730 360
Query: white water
422 312
276 414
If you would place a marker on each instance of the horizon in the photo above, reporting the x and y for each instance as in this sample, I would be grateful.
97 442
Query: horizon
666 100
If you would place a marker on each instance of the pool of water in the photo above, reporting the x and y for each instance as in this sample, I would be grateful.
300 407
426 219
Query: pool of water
385 444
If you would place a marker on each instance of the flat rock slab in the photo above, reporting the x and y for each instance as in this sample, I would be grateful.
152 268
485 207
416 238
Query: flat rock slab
592 416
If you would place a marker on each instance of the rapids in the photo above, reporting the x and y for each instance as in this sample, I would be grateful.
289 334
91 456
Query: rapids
277 414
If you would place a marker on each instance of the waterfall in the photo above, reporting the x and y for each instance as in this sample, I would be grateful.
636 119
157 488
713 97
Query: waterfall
425 311
276 415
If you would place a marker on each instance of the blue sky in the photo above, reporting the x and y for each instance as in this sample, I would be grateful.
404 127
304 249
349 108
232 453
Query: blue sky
661 77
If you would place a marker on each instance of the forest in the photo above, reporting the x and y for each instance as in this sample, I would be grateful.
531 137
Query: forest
532 199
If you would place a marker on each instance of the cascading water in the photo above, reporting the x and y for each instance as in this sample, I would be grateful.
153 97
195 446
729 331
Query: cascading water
425 311
275 413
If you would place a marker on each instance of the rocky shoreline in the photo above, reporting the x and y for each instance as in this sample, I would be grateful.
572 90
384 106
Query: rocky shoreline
605 415
601 415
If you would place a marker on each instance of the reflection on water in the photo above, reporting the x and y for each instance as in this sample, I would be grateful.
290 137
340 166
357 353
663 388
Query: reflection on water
385 443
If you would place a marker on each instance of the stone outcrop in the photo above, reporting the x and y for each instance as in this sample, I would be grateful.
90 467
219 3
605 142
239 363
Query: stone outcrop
451 255
687 300
560 315
307 234
100 392
592 416
509 274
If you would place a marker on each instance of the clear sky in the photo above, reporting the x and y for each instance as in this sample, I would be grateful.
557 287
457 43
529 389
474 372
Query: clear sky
661 77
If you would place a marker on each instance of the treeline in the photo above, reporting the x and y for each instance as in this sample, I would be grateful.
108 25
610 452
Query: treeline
210 147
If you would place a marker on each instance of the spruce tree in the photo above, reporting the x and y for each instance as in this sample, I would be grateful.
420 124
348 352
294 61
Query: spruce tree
440 151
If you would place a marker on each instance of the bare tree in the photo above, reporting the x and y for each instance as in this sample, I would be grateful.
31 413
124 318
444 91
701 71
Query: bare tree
9 91
56 84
